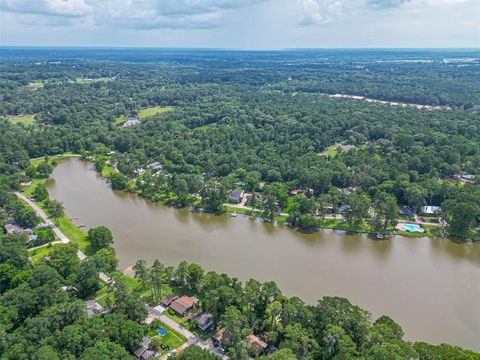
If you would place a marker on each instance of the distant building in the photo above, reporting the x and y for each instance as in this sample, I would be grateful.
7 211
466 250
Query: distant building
430 210
407 211
93 308
467 177
167 300
17 230
130 122
255 345
221 337
204 320
295 192
143 351
183 304
155 166
236 196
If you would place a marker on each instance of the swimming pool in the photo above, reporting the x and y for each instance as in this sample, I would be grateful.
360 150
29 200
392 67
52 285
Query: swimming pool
411 227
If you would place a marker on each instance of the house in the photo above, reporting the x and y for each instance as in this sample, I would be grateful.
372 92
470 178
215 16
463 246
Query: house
430 210
343 208
167 300
143 351
407 211
345 148
93 308
130 122
155 166
204 320
295 192
346 191
17 230
236 196
467 177
249 197
255 345
221 337
183 304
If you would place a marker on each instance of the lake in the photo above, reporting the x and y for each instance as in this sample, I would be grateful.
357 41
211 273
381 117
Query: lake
430 286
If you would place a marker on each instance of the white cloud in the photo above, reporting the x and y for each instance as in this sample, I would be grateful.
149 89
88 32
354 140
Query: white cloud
60 8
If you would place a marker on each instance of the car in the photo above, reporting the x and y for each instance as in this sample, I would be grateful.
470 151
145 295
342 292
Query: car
171 353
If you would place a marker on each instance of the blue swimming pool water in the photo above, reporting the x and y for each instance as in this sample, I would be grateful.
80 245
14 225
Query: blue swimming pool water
411 227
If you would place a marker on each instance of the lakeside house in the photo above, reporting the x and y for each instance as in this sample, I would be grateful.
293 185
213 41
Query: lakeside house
406 211
430 210
130 122
167 300
255 345
249 197
204 320
143 351
236 196
183 304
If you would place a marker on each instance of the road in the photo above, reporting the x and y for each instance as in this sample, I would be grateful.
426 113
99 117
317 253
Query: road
63 239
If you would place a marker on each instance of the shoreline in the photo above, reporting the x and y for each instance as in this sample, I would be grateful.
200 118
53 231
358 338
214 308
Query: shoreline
282 218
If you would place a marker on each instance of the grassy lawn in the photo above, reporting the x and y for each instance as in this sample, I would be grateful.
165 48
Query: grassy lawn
173 339
75 235
35 85
80 80
39 254
28 191
331 151
108 170
22 119
146 112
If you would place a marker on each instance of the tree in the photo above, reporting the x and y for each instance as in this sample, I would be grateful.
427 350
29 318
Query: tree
39 193
300 341
461 214
44 169
56 210
416 196
156 280
26 217
140 271
118 181
195 352
86 278
99 164
100 237
386 211
64 259
105 350
105 260
358 206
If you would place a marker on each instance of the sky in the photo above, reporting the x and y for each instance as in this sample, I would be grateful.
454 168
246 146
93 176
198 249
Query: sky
242 24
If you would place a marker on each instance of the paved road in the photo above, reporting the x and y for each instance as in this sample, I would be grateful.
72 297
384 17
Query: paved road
63 239
44 217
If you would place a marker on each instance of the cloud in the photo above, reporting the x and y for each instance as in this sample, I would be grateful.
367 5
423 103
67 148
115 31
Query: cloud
140 14
58 8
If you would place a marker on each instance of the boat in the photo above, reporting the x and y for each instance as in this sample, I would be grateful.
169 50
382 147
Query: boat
233 214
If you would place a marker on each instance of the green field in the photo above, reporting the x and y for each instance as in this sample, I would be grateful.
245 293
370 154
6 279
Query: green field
146 112
35 85
22 119
80 80
331 151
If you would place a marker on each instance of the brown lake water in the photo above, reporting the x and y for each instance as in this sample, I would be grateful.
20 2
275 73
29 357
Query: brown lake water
430 286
